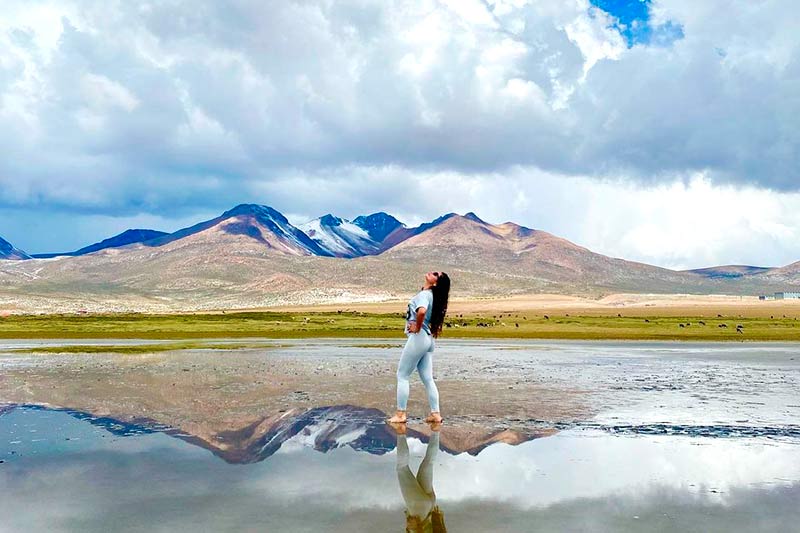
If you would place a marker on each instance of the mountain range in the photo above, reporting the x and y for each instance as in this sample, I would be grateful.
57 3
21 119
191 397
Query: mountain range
252 256
328 235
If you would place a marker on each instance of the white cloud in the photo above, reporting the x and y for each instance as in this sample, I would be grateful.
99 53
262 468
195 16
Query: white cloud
122 108
683 224
595 41
102 92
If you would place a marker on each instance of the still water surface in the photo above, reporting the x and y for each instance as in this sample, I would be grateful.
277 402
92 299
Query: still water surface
687 438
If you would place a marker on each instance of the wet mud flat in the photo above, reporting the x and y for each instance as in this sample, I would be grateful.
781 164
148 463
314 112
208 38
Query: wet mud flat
212 391
290 434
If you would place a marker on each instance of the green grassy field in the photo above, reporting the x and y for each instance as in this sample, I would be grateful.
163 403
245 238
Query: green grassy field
277 325
132 349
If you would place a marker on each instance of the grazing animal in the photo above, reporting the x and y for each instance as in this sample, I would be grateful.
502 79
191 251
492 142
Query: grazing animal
646 320
517 325
702 323
681 325
546 317
723 326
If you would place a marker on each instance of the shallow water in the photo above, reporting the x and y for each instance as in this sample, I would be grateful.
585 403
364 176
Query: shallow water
682 438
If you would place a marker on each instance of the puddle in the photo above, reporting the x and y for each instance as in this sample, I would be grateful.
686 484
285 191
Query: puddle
344 473
539 436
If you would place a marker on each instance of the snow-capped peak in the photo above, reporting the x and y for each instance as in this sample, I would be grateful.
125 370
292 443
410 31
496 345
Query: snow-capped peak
340 237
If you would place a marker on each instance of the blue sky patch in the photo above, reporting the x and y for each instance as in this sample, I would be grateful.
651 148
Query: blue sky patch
633 23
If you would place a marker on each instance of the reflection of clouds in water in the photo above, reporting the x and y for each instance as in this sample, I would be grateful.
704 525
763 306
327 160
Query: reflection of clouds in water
564 467
562 481
342 478
532 474
559 468
653 509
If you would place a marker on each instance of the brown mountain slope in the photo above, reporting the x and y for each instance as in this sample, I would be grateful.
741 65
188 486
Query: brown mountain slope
219 267
788 275
248 224
509 250
240 232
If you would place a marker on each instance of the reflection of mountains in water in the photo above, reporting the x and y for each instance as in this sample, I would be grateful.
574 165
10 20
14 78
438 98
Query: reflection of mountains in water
364 429
320 428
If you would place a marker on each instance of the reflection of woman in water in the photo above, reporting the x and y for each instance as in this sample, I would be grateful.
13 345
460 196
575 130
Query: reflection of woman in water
422 513
424 319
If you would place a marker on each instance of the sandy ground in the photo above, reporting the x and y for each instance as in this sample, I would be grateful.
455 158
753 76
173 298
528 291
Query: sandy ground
633 304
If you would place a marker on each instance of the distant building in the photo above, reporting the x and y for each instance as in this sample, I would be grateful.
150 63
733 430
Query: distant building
787 295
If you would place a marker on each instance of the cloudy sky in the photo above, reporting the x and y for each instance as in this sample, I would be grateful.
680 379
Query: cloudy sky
665 131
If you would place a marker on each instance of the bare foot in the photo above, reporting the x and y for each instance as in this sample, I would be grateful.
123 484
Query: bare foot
400 429
435 426
398 418
434 418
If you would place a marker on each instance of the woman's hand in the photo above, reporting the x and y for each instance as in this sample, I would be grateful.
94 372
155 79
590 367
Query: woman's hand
413 327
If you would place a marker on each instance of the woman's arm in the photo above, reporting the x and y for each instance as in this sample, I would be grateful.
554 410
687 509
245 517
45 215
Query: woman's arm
416 326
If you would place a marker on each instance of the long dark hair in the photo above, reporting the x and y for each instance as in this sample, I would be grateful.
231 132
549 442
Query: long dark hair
441 293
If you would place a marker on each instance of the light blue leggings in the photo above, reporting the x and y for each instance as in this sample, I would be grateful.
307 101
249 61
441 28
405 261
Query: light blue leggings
417 353
417 490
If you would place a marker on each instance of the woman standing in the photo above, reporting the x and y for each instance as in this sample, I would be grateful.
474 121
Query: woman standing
424 319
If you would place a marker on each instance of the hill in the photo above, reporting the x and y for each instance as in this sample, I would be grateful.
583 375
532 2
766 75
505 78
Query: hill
131 236
7 251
